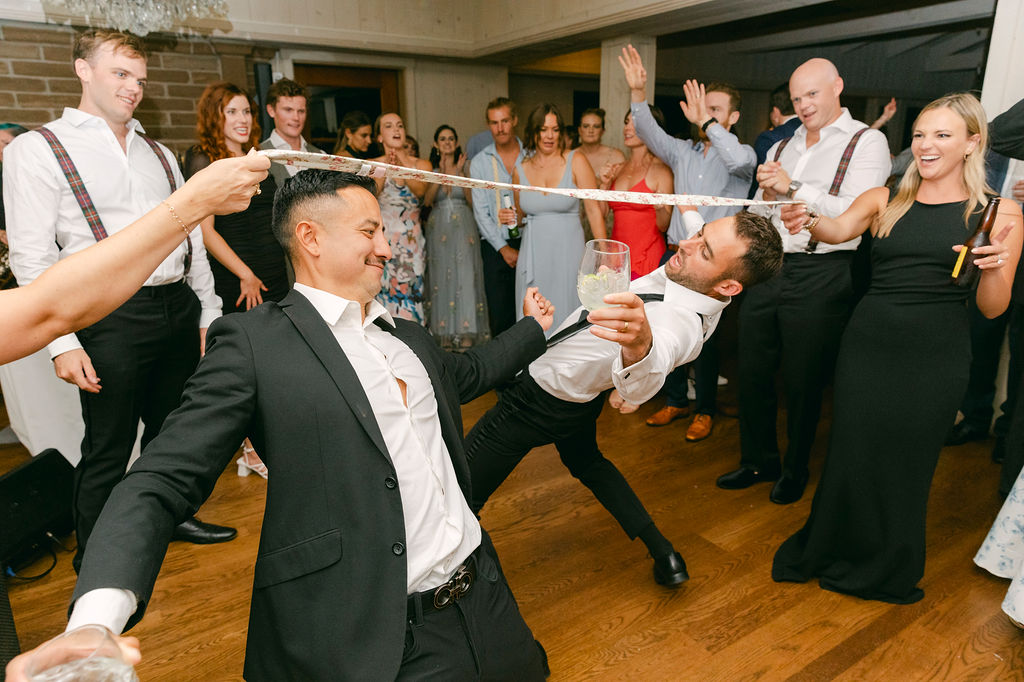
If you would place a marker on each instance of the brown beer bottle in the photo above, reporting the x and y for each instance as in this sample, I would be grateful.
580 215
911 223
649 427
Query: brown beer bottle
965 272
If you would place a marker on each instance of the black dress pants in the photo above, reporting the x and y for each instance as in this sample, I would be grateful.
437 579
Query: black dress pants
499 287
527 417
143 353
482 636
793 321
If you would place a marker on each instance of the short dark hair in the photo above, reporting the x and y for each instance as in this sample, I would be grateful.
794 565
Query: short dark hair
285 88
763 259
594 111
88 42
311 185
735 99
500 102
781 99
535 121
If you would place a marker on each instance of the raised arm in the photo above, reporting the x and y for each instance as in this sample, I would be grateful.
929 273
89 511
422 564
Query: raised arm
998 261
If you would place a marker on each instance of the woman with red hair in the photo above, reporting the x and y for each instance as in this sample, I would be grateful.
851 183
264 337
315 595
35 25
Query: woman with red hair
248 264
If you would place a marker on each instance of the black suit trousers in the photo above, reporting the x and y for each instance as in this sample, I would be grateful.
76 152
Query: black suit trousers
143 354
793 321
527 417
482 636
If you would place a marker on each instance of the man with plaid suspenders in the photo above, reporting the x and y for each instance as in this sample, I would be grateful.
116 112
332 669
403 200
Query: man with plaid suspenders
795 319
88 174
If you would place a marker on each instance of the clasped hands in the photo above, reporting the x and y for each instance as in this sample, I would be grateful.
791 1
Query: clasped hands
625 323
773 179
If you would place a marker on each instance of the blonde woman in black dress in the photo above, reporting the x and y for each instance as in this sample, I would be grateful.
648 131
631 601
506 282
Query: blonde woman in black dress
904 358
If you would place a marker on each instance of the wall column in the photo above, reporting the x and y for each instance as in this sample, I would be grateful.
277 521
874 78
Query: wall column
614 94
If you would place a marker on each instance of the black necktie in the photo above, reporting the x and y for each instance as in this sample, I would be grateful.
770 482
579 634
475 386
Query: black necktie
583 323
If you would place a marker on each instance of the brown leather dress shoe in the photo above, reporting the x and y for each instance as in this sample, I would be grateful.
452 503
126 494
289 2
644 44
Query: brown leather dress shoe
700 428
667 415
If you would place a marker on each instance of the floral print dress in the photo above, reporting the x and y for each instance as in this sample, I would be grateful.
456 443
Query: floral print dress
402 282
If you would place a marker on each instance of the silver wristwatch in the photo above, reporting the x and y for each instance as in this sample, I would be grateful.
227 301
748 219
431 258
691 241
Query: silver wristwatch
794 185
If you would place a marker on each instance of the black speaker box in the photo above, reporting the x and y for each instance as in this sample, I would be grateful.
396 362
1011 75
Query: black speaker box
35 498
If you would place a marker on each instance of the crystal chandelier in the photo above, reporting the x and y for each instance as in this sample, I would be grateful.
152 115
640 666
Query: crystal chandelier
145 16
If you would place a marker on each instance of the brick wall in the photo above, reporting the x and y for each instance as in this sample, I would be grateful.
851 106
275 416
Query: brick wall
37 79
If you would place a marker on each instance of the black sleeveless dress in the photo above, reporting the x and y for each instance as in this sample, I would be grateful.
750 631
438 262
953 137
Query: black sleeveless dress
249 235
900 376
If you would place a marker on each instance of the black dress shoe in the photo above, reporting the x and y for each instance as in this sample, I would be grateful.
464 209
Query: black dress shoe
745 476
670 570
965 433
200 533
788 489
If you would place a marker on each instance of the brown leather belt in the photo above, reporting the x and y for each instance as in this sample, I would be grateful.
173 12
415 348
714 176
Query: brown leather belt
445 595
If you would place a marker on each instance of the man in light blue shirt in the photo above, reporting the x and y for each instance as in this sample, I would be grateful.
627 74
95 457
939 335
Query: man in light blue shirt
716 164
498 250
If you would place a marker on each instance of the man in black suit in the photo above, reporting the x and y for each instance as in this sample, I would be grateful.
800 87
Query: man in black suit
371 564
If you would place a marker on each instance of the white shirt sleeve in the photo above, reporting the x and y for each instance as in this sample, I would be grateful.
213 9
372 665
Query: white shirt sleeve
32 195
199 277
694 222
677 340
110 607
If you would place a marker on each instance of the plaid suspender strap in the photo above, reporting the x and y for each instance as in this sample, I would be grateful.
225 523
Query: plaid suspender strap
92 216
844 163
837 181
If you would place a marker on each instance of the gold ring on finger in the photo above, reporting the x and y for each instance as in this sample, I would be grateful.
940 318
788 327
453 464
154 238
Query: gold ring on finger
625 326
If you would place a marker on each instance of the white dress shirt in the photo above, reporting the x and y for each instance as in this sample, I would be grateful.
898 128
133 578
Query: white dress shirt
579 368
45 223
278 142
440 530
816 168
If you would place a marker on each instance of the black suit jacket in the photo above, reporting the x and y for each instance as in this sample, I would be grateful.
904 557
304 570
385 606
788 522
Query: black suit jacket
329 592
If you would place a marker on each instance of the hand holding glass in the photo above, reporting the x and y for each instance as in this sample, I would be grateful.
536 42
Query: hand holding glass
86 654
604 270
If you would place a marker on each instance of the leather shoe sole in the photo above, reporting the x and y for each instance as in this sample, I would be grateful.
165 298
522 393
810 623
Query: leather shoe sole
199 533
788 489
744 477
667 415
670 570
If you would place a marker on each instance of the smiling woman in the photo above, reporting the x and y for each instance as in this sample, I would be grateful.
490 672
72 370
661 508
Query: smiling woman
248 264
402 288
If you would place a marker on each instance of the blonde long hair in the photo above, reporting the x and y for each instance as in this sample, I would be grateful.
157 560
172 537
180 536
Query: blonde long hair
969 109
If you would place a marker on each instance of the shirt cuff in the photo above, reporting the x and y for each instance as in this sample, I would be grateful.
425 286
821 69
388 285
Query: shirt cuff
63 344
635 382
207 316
694 222
110 607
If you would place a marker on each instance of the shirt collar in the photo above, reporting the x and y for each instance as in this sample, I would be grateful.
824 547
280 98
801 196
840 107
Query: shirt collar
78 118
492 149
337 311
280 143
844 124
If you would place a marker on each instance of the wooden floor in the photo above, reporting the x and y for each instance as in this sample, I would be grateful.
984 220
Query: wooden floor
587 591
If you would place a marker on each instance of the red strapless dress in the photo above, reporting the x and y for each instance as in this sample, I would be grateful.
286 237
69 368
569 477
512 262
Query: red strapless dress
635 224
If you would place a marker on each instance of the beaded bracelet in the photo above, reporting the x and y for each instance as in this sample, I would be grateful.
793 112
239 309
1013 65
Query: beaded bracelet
174 215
